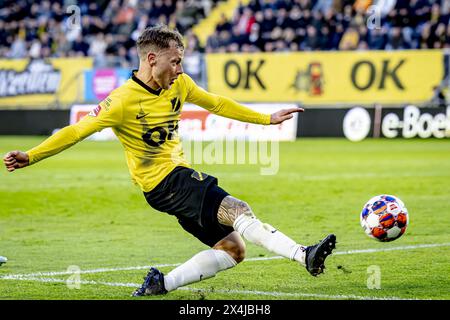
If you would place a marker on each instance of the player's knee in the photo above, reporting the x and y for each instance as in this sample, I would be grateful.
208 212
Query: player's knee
234 246
237 253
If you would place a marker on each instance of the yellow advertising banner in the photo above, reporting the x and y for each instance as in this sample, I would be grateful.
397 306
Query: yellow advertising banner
366 77
42 83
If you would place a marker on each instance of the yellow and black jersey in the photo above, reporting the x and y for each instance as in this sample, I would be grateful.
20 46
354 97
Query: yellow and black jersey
146 123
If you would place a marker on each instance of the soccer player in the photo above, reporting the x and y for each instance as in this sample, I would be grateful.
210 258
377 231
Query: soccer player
144 114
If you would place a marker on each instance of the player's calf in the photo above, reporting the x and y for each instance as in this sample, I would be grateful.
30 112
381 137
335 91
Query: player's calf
238 213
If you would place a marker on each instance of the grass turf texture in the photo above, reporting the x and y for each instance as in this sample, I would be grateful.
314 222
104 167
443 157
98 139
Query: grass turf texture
80 208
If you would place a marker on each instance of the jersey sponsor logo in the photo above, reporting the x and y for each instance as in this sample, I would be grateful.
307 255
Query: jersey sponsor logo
95 111
157 136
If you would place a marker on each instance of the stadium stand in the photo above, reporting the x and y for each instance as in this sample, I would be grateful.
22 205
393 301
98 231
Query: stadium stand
106 30
306 25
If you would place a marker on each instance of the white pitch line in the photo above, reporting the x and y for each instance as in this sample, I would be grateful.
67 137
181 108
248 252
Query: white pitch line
296 294
233 292
412 247
100 270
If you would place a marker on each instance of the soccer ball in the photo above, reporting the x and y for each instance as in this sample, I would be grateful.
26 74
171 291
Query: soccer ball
384 218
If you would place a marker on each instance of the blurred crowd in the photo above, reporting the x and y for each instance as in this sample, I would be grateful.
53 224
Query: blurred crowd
307 25
107 29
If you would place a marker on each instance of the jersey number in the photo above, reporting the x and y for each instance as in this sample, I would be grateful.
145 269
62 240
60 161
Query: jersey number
159 135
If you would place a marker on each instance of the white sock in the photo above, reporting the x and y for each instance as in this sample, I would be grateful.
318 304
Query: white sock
202 266
268 237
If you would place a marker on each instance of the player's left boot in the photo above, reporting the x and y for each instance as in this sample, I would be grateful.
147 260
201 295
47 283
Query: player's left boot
3 260
153 284
316 254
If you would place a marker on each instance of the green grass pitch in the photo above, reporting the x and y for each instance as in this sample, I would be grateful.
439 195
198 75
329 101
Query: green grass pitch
79 211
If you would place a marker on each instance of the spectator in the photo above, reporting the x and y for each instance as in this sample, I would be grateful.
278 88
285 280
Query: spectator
323 5
337 36
281 46
396 41
123 19
122 60
246 20
233 47
254 38
213 42
282 19
224 38
363 46
289 36
325 38
426 40
35 49
269 46
43 29
276 34
192 43
440 36
377 39
312 41
185 16
363 34
98 46
294 19
435 13
268 24
349 40
18 49
224 24
447 38
384 7
63 46
362 5
80 47
237 37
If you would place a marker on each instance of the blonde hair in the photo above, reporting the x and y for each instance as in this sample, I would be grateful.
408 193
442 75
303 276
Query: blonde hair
157 38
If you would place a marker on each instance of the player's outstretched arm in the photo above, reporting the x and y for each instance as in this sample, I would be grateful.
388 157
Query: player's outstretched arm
283 115
106 114
227 107
15 160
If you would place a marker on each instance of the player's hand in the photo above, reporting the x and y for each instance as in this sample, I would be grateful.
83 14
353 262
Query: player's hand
15 160
283 115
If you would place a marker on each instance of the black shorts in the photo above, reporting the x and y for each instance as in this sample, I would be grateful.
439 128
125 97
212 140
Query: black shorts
194 198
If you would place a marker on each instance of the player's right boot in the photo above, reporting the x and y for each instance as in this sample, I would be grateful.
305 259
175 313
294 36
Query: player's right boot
316 254
153 284
3 260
